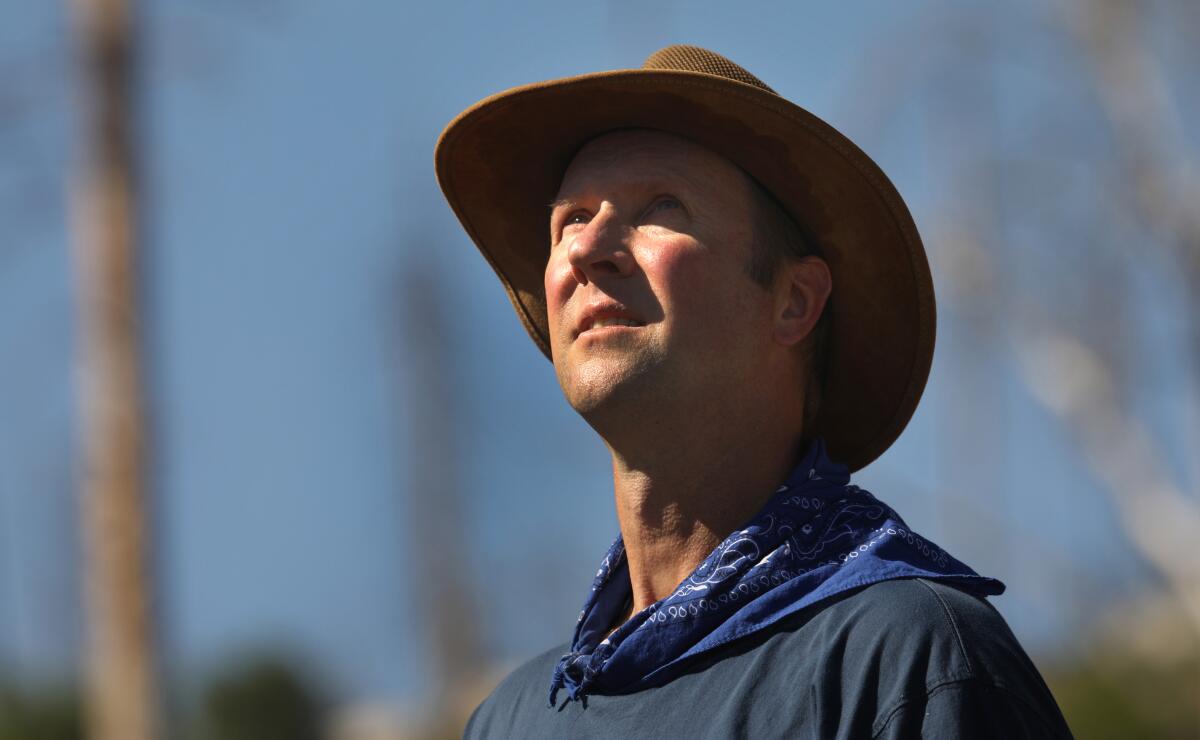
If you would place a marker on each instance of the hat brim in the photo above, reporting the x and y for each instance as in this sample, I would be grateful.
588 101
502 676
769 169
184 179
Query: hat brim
501 161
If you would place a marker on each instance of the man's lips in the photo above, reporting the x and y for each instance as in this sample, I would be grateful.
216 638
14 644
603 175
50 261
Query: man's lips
606 317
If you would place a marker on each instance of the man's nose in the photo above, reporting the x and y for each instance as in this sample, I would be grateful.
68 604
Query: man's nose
599 250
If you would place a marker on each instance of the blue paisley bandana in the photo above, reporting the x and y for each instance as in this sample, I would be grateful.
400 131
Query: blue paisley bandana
818 536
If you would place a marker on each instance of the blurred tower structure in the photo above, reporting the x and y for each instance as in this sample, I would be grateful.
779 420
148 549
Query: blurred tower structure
437 522
120 676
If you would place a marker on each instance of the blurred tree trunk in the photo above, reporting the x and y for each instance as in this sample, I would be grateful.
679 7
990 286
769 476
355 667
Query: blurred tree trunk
120 675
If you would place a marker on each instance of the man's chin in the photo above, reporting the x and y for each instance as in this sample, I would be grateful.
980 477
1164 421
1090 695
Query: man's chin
597 387
590 399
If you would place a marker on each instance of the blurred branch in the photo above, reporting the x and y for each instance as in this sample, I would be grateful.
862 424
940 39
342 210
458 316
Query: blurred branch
1072 382
1150 143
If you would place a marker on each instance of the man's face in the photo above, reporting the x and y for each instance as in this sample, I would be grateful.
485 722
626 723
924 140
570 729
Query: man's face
648 298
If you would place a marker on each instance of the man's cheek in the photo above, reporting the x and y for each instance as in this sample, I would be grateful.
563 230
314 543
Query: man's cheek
557 292
673 271
553 316
689 285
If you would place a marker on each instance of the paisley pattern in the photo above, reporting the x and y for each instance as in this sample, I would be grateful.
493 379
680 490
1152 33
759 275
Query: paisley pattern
818 536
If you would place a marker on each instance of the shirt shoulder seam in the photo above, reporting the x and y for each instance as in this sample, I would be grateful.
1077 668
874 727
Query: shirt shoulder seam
936 689
948 613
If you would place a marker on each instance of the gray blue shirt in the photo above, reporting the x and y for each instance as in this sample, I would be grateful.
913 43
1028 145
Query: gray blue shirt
902 658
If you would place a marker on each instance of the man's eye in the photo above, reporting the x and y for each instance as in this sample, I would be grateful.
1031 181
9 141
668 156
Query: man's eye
578 217
665 203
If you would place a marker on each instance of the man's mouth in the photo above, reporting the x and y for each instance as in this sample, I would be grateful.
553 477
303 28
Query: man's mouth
601 323
609 318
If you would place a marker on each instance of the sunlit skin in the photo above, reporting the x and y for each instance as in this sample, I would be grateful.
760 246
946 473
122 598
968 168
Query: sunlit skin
700 400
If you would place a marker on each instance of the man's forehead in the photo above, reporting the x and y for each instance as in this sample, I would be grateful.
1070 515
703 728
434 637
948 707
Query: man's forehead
642 157
620 147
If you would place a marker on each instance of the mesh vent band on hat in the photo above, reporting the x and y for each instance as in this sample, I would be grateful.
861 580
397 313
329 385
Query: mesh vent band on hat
694 59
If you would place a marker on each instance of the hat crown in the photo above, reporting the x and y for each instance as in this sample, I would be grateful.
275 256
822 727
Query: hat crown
685 58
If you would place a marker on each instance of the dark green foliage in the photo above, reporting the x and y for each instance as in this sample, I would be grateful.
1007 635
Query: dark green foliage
1115 696
262 698
49 714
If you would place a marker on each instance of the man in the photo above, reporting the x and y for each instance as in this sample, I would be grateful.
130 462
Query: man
737 301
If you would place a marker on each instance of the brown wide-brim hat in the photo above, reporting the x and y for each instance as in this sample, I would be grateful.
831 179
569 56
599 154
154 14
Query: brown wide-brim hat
501 161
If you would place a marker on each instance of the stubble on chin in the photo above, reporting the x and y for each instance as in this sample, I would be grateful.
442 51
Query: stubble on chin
605 383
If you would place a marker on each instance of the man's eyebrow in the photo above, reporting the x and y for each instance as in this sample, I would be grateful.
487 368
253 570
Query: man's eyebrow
562 203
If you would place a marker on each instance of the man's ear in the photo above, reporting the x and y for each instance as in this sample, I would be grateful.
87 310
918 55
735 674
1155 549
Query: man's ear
803 288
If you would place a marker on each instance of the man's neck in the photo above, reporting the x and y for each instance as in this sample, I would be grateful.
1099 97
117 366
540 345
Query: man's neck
677 502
